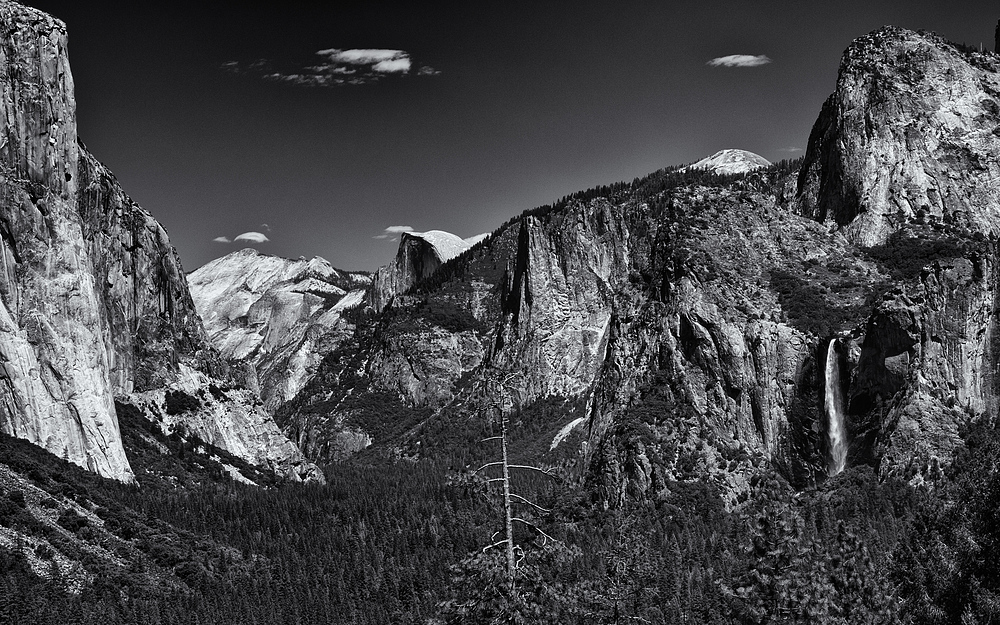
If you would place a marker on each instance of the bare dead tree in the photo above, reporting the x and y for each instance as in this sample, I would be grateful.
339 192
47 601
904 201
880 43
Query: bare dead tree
503 396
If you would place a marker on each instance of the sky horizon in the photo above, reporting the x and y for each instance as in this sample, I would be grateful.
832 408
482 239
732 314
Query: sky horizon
327 129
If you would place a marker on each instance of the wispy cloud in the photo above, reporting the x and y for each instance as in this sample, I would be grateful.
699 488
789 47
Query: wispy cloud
789 149
356 66
739 60
222 240
252 237
391 233
378 60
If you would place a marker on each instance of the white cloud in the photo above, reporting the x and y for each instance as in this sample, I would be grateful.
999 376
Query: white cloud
739 60
392 66
381 236
356 66
398 229
362 56
252 237
789 149
476 239
222 240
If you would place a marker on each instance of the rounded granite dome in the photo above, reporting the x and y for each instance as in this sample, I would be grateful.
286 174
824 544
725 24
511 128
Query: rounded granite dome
731 162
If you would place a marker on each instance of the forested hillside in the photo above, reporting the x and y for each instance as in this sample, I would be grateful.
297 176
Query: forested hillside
400 542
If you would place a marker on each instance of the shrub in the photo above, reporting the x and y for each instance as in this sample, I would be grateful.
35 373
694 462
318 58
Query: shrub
806 306
908 251
17 497
178 402
72 521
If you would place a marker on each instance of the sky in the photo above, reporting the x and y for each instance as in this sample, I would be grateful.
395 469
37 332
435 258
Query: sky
326 129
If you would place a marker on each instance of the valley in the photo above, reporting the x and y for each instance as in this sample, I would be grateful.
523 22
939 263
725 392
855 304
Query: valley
729 392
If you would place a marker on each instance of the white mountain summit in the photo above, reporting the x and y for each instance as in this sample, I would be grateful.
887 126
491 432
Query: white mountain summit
278 314
731 162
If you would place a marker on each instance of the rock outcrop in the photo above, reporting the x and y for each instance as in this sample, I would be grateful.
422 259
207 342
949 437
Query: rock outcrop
277 315
419 255
906 157
681 323
658 288
910 134
93 300
57 386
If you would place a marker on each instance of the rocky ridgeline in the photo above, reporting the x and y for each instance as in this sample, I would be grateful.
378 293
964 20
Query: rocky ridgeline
684 319
94 305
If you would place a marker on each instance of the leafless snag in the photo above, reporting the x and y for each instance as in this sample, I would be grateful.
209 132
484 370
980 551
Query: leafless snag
503 395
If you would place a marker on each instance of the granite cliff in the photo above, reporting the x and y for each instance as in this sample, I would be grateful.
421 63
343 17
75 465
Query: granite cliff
905 159
684 325
419 255
94 304
275 314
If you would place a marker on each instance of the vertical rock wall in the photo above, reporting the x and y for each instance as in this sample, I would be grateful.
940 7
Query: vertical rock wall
56 388
93 300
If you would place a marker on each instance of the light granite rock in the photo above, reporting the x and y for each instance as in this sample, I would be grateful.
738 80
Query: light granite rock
278 315
911 132
419 255
93 300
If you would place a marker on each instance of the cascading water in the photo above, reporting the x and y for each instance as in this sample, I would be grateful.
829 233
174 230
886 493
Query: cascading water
834 402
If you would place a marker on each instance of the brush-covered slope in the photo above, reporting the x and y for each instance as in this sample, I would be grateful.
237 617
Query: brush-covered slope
93 300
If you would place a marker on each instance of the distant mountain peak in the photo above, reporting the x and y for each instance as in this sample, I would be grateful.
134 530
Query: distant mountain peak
731 161
445 244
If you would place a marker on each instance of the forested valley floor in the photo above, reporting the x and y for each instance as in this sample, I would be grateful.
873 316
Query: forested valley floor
394 541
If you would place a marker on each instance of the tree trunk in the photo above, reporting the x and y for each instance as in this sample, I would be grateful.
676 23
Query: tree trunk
508 512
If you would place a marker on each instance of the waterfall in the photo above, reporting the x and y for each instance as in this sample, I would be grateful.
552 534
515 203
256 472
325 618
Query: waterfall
834 402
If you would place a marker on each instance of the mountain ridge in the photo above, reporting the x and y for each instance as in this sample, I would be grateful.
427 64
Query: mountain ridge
631 292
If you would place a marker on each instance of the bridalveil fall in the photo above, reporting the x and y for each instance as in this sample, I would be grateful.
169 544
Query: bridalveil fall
834 404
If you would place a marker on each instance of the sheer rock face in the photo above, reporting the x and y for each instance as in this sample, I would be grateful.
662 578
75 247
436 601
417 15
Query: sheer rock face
275 314
419 256
700 316
56 388
598 303
93 300
910 134
910 143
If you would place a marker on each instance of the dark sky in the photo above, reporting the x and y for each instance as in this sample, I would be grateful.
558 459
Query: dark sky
505 106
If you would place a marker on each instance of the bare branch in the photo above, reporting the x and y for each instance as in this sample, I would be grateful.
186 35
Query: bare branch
492 438
530 503
540 470
536 528
496 544
498 463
